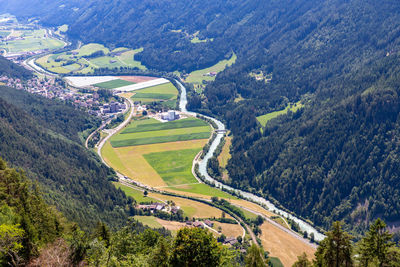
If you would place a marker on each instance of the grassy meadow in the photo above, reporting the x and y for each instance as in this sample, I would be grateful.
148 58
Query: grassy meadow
264 119
198 75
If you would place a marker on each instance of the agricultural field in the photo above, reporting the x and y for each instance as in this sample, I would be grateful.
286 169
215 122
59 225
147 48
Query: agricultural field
113 84
90 57
30 41
264 119
150 221
130 137
282 245
131 162
224 157
228 229
198 77
166 93
191 209
199 190
150 124
174 166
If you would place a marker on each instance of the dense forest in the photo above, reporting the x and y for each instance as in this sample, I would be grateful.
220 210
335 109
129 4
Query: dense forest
335 158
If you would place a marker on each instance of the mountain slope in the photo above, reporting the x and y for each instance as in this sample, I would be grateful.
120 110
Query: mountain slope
72 177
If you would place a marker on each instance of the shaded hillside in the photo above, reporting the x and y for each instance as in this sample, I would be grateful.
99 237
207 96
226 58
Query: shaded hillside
7 68
46 145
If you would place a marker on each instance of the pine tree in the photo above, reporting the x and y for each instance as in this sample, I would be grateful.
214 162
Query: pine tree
376 244
335 250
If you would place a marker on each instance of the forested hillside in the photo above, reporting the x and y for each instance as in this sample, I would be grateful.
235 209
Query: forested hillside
8 69
41 136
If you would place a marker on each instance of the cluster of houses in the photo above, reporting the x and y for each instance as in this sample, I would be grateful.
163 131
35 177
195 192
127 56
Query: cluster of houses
201 224
47 88
160 207
211 74
51 89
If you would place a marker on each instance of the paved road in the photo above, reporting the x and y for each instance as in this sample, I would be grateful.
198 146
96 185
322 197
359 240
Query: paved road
116 129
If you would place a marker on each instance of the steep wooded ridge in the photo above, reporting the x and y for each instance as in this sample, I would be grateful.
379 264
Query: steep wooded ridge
335 159
42 136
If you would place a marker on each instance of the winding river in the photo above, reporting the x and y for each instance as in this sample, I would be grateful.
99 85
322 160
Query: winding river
304 226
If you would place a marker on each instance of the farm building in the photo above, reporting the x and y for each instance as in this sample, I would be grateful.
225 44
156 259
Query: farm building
171 115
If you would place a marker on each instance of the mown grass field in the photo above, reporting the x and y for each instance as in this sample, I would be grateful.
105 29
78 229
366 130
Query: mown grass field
225 155
264 119
199 190
163 92
198 75
151 131
150 221
228 229
113 84
282 245
174 167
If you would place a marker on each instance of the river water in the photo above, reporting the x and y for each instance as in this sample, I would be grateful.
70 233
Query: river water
304 226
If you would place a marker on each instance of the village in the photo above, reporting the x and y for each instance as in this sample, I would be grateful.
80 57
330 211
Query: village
51 88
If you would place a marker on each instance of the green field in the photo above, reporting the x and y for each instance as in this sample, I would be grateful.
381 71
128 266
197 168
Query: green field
267 117
154 96
203 189
163 92
135 194
113 84
175 167
150 221
154 125
198 75
160 139
32 40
